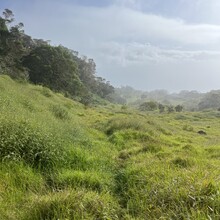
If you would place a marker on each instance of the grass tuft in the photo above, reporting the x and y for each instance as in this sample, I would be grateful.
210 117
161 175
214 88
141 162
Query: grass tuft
19 141
60 112
73 205
182 162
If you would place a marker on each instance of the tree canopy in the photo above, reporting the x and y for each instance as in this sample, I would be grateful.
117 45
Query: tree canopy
57 67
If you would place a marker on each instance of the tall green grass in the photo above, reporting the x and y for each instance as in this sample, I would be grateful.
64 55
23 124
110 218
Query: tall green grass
59 160
22 142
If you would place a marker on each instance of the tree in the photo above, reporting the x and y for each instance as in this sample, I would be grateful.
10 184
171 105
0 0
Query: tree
58 68
103 88
53 67
116 98
148 106
86 99
179 108
12 46
8 15
170 109
161 108
87 75
87 70
210 100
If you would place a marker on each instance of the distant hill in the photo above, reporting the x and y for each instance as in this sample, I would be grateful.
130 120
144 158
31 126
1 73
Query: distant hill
191 100
210 100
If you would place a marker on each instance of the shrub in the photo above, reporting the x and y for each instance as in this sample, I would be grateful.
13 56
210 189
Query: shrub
161 108
178 108
170 109
148 106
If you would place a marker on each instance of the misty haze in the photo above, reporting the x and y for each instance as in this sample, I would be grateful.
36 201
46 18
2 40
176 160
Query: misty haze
109 109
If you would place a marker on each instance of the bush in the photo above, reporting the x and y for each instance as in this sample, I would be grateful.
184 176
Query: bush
170 109
21 142
148 106
179 108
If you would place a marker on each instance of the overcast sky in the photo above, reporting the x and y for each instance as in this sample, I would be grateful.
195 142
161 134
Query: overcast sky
147 44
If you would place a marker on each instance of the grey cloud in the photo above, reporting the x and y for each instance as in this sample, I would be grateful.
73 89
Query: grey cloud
83 25
136 52
132 47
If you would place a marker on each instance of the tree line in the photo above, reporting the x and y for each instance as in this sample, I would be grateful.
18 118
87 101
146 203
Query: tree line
56 67
155 106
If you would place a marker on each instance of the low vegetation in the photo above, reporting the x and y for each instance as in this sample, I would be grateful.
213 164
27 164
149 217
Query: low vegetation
60 160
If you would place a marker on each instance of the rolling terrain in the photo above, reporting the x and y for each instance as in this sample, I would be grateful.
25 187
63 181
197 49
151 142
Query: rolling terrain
60 159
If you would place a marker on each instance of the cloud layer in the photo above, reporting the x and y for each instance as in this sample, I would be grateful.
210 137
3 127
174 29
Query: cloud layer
136 41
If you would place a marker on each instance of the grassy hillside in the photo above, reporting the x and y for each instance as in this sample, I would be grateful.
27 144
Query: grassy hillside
60 160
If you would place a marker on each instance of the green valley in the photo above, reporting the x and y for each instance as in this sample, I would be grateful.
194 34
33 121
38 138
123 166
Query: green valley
74 147
62 160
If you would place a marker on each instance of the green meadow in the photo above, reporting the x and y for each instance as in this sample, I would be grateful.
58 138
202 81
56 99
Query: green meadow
62 160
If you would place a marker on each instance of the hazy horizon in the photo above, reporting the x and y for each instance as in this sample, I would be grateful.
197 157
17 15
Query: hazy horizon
148 45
